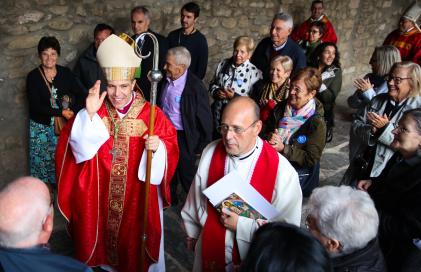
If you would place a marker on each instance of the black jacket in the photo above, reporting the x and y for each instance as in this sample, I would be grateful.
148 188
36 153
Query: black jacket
397 196
367 259
195 113
39 96
147 63
87 69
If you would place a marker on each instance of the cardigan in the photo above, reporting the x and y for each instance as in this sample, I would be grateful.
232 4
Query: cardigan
39 96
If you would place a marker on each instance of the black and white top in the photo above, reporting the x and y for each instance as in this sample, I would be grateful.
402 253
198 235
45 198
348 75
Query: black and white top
241 78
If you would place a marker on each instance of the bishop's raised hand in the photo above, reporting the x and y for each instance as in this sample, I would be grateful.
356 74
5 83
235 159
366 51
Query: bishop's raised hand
94 99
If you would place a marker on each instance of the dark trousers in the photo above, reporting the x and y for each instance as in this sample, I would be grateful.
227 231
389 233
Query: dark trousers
185 171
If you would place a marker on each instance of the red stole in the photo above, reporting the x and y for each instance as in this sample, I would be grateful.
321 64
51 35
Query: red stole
263 180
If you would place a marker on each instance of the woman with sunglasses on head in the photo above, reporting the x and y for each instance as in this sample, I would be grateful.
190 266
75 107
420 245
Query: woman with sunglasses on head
371 131
296 128
397 196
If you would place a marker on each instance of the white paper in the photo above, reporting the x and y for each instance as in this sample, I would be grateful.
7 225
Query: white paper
233 183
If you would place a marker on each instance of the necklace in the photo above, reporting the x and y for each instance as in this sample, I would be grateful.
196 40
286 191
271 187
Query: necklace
116 127
50 74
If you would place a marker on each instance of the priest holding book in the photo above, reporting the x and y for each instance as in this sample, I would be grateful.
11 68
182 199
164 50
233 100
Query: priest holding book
221 240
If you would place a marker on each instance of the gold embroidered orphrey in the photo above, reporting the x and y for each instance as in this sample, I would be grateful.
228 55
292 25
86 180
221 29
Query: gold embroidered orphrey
131 127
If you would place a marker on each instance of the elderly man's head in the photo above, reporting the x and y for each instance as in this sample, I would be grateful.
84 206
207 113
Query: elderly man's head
177 62
281 27
141 19
342 218
240 125
26 213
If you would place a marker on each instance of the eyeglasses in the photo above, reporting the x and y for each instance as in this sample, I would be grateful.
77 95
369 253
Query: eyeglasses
397 80
400 129
314 31
222 129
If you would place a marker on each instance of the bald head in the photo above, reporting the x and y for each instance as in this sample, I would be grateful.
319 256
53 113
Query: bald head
24 208
240 125
243 105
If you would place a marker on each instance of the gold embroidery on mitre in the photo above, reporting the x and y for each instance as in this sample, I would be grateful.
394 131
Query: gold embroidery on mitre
119 73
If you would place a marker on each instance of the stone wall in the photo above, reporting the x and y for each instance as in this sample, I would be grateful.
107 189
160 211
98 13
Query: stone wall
359 24
24 22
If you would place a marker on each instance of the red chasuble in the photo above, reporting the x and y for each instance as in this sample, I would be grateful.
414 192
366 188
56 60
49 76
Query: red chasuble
409 44
301 33
102 198
263 180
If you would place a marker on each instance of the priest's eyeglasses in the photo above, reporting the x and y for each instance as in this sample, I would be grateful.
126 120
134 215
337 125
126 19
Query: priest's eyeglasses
397 80
222 129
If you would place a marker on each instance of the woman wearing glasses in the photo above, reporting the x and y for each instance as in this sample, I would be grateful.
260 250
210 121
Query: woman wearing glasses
296 128
397 196
315 34
371 131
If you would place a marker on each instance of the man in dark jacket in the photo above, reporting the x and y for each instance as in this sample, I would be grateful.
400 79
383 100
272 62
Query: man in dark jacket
87 69
345 221
141 20
278 43
184 99
26 224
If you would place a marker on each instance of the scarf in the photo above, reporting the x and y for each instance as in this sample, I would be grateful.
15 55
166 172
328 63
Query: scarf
294 119
270 92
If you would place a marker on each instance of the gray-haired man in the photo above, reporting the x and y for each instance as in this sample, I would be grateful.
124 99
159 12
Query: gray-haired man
184 99
278 43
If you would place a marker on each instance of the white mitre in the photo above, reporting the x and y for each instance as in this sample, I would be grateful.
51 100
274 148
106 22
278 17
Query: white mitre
117 58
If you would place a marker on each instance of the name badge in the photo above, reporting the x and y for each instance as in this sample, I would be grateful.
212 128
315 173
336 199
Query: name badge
239 82
178 99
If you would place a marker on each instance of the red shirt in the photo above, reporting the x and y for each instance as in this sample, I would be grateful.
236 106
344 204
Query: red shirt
301 33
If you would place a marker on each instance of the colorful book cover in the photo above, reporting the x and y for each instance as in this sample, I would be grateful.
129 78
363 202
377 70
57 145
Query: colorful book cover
236 204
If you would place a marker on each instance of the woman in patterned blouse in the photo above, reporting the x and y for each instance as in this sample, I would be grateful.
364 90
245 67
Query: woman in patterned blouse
234 76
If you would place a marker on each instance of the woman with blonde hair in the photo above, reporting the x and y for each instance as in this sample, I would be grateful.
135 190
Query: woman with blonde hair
374 83
234 76
269 93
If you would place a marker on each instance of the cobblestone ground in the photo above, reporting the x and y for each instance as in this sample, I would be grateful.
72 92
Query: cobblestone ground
178 259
